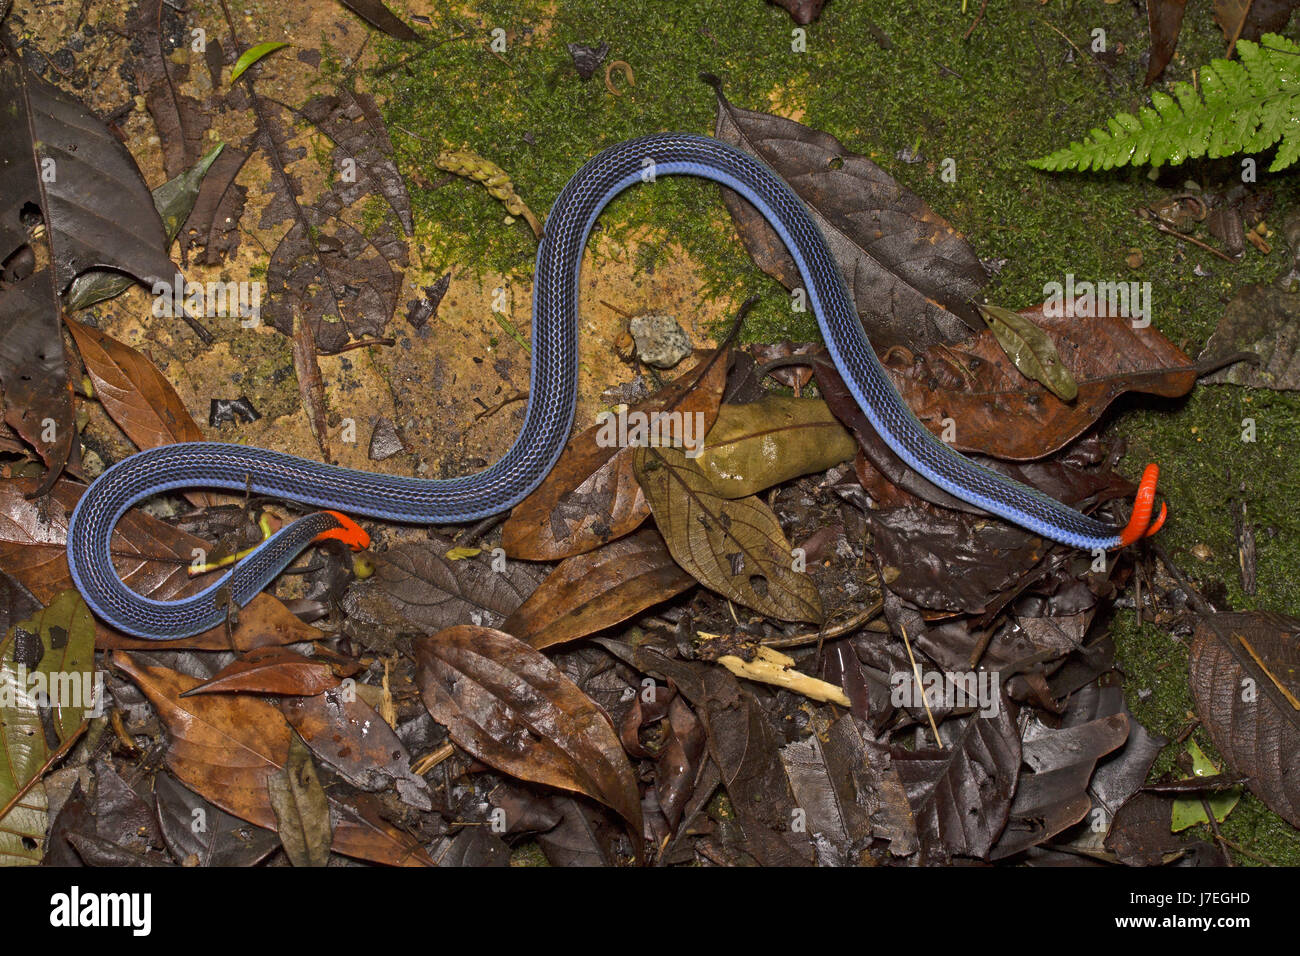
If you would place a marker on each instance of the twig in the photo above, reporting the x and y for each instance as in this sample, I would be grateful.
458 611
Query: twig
1193 240
976 22
826 633
916 674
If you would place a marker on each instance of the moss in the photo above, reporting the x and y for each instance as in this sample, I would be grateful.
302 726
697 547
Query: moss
882 77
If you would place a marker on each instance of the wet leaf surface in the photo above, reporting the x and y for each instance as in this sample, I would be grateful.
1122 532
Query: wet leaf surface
1245 678
509 706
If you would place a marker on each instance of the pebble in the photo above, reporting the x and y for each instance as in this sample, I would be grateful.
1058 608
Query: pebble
660 340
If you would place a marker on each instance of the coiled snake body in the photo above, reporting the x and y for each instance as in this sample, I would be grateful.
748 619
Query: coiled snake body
548 420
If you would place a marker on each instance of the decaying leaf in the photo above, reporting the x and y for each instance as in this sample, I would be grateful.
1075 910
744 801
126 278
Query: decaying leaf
589 592
734 546
754 446
1265 320
961 794
417 585
591 496
912 276
512 708
1245 677
47 686
228 746
301 808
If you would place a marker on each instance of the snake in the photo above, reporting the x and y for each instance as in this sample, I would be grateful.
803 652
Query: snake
342 493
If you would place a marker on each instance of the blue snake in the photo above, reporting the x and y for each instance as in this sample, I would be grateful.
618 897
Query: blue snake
548 420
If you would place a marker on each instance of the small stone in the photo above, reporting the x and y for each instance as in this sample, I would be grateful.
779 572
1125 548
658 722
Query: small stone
384 441
660 341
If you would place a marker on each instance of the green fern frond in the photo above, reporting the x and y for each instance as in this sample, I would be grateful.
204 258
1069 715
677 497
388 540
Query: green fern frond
1242 107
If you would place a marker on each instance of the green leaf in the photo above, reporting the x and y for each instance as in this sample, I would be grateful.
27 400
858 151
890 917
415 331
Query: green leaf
173 199
1244 107
251 56
1031 350
1189 811
54 652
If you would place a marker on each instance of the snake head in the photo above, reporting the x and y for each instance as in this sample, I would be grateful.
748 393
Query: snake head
1140 524
348 531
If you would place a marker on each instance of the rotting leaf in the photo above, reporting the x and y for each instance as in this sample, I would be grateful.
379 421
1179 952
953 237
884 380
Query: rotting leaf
744 746
181 120
591 495
1030 350
57 654
734 546
1265 320
1054 794
174 200
911 275
301 808
348 734
416 585
510 707
1245 679
198 831
228 746
754 446
961 794
325 270
1001 413
589 592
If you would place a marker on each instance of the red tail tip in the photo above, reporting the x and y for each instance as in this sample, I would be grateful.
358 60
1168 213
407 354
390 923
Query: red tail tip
1140 524
348 531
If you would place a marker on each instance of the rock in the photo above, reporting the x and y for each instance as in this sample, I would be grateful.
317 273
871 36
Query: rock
660 341
384 440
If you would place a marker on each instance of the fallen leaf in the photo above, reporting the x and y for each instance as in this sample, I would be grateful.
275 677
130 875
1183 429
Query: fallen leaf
228 746
912 276
591 495
270 670
1245 679
589 592
512 708
754 446
736 547
301 808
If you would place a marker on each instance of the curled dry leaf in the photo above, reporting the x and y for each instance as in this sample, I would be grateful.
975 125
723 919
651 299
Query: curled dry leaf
591 496
301 808
228 746
736 547
1245 677
512 708
760 444
589 592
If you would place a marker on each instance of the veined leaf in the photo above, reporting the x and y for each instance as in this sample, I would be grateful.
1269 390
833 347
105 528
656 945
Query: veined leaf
251 56
1031 350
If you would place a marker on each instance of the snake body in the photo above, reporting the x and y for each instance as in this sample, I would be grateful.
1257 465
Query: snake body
548 420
